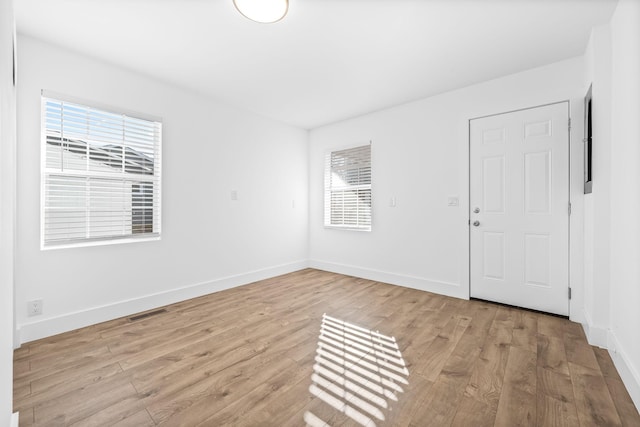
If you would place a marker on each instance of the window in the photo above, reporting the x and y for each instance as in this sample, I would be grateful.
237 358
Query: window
347 188
101 174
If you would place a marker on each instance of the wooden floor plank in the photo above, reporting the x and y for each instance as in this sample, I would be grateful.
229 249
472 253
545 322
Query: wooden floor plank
627 411
517 406
555 401
252 356
525 330
552 355
482 394
579 351
593 400
435 356
316 411
624 405
441 404
552 326
84 402
139 419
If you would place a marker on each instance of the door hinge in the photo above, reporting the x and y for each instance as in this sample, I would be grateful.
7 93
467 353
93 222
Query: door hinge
569 293
569 208
569 123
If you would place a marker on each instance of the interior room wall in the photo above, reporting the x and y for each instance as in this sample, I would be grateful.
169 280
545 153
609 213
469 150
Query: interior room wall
420 156
209 242
597 204
611 230
7 206
624 330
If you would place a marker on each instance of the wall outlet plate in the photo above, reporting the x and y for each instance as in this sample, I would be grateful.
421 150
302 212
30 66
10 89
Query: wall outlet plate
34 308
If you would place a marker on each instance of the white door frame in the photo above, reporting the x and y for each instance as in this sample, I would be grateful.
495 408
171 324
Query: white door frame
568 171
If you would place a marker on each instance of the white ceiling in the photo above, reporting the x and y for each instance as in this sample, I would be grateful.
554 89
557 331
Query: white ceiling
328 60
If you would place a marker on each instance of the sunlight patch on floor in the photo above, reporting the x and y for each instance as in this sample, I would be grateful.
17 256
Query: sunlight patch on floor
357 371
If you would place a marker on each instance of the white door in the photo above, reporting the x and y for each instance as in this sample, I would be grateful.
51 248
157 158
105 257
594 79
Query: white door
519 203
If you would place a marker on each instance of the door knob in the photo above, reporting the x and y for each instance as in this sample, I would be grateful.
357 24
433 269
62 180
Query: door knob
476 210
476 223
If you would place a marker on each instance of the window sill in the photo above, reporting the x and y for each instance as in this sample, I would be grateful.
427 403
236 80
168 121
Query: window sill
338 227
99 242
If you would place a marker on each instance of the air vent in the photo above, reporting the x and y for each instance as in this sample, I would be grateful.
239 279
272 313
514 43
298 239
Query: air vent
145 315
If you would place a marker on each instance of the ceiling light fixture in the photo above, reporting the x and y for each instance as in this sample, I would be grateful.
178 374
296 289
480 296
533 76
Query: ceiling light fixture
263 11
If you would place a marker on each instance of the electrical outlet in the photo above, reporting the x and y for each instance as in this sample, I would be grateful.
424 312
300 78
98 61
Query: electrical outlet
34 308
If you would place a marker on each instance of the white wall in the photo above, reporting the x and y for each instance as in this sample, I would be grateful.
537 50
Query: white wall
611 229
625 195
208 241
420 156
7 206
598 204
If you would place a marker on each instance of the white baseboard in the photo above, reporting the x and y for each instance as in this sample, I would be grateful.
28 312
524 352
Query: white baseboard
629 372
16 338
435 286
47 327
595 335
14 419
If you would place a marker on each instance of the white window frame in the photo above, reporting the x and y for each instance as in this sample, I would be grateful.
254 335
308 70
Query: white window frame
329 189
155 179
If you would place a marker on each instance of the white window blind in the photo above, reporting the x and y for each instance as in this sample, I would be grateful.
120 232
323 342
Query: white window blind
100 176
347 185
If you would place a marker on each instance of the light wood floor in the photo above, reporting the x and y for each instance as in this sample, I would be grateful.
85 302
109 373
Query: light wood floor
265 355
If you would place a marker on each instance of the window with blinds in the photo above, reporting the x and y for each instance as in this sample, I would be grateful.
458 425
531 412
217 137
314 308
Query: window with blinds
347 185
100 176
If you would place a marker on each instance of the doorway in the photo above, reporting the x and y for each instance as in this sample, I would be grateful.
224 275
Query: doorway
519 208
